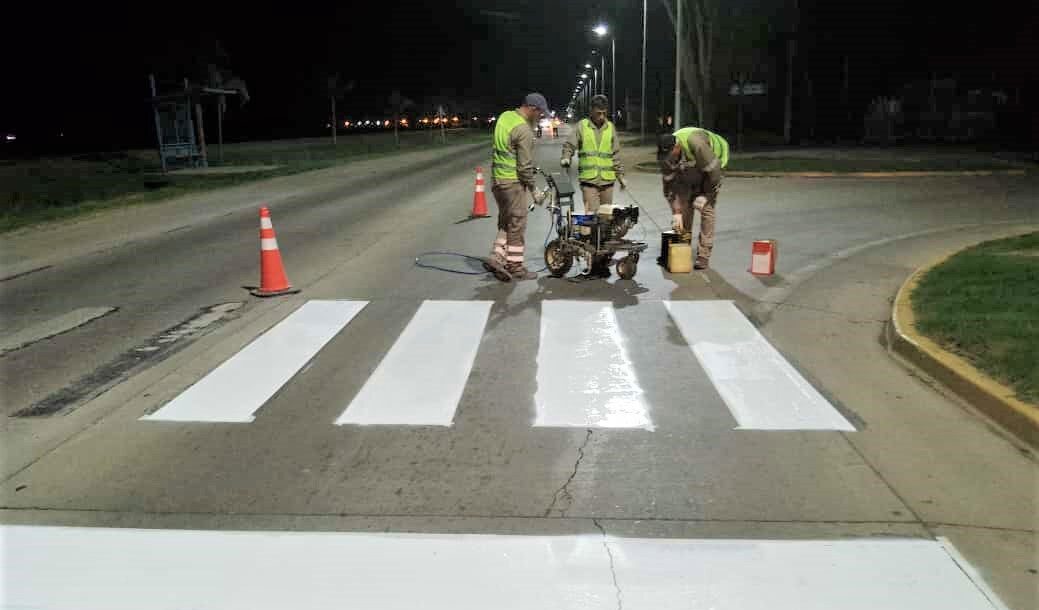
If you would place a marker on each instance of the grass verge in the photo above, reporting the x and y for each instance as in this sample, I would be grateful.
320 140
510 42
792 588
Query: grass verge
983 303
843 166
50 189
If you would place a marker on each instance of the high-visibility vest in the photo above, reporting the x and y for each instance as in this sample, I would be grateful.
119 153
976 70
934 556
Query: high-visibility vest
718 144
504 163
596 161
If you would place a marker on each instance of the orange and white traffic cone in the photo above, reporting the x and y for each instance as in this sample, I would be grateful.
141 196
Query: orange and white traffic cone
479 198
273 281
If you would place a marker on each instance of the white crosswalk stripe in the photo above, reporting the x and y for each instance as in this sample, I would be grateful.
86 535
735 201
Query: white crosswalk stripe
585 377
419 382
240 386
762 389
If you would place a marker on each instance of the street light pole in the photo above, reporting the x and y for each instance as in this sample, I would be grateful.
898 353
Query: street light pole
677 119
613 78
642 108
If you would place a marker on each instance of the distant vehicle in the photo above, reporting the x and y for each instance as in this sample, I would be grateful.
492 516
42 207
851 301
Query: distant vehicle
542 124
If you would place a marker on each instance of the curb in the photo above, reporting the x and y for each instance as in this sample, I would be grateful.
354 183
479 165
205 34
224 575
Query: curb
984 393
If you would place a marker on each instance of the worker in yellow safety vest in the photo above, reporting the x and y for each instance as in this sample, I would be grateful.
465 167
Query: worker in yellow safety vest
691 163
595 141
512 183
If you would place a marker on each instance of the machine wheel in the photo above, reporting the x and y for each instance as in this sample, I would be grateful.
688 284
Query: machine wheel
627 266
557 259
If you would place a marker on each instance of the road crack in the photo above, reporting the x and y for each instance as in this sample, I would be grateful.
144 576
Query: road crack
613 569
563 493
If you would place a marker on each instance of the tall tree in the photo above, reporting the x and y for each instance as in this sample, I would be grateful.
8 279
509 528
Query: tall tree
698 53
336 90
398 104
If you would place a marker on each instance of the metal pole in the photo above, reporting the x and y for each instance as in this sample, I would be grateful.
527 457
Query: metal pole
333 120
158 123
677 122
602 78
642 108
613 79
220 127
202 134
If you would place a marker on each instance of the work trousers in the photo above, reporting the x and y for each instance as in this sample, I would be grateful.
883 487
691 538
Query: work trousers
512 200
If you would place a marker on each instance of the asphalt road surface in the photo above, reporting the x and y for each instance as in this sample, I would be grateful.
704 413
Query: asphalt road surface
704 440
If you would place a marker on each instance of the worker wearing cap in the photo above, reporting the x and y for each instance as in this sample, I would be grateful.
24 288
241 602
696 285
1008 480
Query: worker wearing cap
595 141
512 185
691 163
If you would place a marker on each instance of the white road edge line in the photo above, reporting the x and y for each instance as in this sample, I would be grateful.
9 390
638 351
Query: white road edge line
50 328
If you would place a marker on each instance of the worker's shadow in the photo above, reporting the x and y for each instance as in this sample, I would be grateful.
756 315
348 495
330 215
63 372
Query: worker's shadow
621 293
501 293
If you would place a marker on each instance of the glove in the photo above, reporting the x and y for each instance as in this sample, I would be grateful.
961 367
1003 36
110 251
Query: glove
699 203
620 181
538 198
564 162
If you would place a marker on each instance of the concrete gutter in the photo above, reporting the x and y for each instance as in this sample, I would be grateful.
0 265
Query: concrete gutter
989 396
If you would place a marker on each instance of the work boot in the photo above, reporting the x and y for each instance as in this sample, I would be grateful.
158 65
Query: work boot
700 264
519 273
497 267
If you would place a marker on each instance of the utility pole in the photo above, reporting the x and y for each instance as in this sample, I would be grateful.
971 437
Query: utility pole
677 120
158 122
642 108
788 109
333 119
788 105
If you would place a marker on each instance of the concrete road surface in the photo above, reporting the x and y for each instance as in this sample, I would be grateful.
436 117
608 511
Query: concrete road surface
700 440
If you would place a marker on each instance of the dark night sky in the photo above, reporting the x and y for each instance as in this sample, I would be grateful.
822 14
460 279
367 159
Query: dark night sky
83 70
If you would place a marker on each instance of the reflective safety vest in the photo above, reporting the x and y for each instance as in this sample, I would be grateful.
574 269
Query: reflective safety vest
504 163
596 162
718 144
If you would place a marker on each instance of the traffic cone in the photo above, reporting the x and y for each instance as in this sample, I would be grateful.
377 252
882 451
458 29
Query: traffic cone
479 198
273 281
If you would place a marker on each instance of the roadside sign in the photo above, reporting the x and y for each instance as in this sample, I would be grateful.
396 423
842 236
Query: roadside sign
748 89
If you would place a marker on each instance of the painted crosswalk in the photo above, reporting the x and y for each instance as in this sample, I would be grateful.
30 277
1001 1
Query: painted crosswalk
585 376
87 568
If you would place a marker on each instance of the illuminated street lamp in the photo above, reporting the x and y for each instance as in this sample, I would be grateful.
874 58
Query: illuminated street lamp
601 30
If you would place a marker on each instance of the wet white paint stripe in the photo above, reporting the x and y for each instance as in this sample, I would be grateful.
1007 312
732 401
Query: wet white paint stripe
421 379
762 389
241 385
127 569
585 378
863 574
49 328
